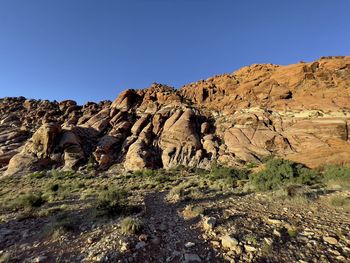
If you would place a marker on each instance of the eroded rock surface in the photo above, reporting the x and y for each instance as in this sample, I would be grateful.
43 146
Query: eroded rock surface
300 112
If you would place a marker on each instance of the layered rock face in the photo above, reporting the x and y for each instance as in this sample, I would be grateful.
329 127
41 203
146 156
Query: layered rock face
300 112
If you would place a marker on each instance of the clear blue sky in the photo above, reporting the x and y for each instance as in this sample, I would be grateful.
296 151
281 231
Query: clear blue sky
90 50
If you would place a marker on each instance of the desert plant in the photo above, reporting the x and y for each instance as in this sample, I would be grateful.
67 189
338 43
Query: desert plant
29 200
131 225
192 211
340 201
146 173
227 177
90 166
336 174
37 175
279 172
176 194
61 225
53 187
61 175
112 201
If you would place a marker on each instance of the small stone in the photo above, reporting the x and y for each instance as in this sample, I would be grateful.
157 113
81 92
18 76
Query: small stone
238 250
335 252
155 240
274 221
5 232
190 244
40 259
307 233
25 234
249 248
276 233
5 256
124 247
90 240
192 258
209 223
140 245
268 241
340 258
99 257
330 240
229 242
215 243
162 227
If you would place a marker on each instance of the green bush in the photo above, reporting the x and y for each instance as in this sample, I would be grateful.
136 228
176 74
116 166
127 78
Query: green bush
279 172
54 187
37 175
340 201
227 176
337 174
131 225
61 175
146 173
112 201
30 200
62 224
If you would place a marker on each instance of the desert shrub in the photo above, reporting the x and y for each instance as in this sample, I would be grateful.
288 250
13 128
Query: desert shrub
268 158
161 179
37 175
279 172
61 175
131 225
176 194
227 177
51 211
158 179
292 232
54 187
185 191
90 166
192 211
178 169
112 201
61 225
146 173
340 201
335 174
29 200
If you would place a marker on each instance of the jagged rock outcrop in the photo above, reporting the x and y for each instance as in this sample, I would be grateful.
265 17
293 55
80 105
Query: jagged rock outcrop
300 112
37 151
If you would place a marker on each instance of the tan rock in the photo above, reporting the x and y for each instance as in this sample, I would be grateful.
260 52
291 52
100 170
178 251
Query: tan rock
179 139
229 242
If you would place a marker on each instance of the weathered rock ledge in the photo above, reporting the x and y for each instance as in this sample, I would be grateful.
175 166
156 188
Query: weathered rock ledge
300 112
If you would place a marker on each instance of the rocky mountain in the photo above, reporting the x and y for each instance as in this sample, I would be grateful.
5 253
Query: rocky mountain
299 112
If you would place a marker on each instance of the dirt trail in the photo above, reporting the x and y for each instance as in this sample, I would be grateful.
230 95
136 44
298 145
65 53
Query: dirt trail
169 234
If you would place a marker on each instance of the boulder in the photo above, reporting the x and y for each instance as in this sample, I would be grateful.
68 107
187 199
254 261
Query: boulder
179 139
36 152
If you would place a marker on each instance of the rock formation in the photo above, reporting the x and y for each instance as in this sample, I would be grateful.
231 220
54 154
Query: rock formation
300 112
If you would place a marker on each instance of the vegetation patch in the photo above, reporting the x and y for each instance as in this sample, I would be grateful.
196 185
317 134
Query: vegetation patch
29 200
112 202
279 172
62 224
131 225
192 211
335 175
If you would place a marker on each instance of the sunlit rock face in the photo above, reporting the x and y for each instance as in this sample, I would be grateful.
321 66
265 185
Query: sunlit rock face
300 112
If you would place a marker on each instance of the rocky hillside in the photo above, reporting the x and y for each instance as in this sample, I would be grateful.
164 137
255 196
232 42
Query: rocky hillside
300 112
